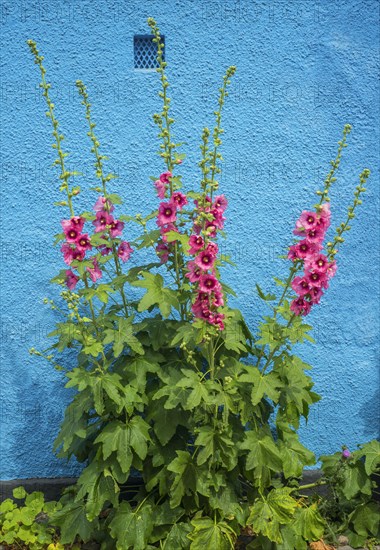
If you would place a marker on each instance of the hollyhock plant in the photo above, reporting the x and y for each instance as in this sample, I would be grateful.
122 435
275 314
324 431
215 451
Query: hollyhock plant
172 387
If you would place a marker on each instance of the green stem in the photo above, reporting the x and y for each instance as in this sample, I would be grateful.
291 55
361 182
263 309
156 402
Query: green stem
65 175
311 485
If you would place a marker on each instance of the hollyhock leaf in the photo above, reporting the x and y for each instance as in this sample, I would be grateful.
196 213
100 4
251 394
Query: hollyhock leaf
228 290
371 451
308 523
132 528
173 236
263 384
265 297
115 199
263 453
72 521
97 487
263 521
156 294
208 535
19 493
291 539
185 479
177 538
166 421
137 370
294 455
147 239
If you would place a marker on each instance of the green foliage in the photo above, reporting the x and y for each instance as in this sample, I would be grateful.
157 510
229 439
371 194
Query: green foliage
206 414
26 525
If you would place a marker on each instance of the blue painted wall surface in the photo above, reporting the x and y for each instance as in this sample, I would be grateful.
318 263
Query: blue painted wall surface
305 68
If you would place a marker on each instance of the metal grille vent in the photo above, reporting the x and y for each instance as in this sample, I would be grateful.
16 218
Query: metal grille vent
145 51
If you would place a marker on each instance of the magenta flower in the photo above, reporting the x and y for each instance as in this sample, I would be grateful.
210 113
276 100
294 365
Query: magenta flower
211 229
331 270
219 219
307 220
103 204
165 177
318 263
71 233
76 223
346 453
116 228
194 272
300 306
208 283
302 249
160 188
166 213
95 272
70 254
196 243
301 286
218 300
124 251
179 199
316 280
315 235
212 248
162 251
220 203
205 260
315 294
83 243
104 250
102 220
325 215
71 279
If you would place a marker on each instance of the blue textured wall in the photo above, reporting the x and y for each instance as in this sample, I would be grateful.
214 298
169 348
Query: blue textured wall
304 69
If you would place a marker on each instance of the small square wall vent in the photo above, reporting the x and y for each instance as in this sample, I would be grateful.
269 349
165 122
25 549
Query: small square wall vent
145 51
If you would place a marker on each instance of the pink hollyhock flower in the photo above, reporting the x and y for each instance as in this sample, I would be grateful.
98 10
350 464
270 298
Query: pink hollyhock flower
209 283
103 204
69 253
219 320
331 270
301 286
102 220
160 188
83 243
162 251
179 199
302 249
104 250
165 177
76 223
325 215
307 220
220 202
166 213
124 251
196 243
71 233
197 228
316 280
218 299
71 279
315 295
205 260
95 272
194 272
300 306
315 235
219 219
116 228
318 263
212 248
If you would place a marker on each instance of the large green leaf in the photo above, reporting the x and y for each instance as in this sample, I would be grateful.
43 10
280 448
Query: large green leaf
309 523
124 439
73 522
263 454
185 477
132 528
263 384
371 451
209 535
366 519
157 294
177 538
123 337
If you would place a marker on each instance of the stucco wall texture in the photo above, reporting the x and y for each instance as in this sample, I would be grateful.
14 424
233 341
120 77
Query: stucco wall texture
305 68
